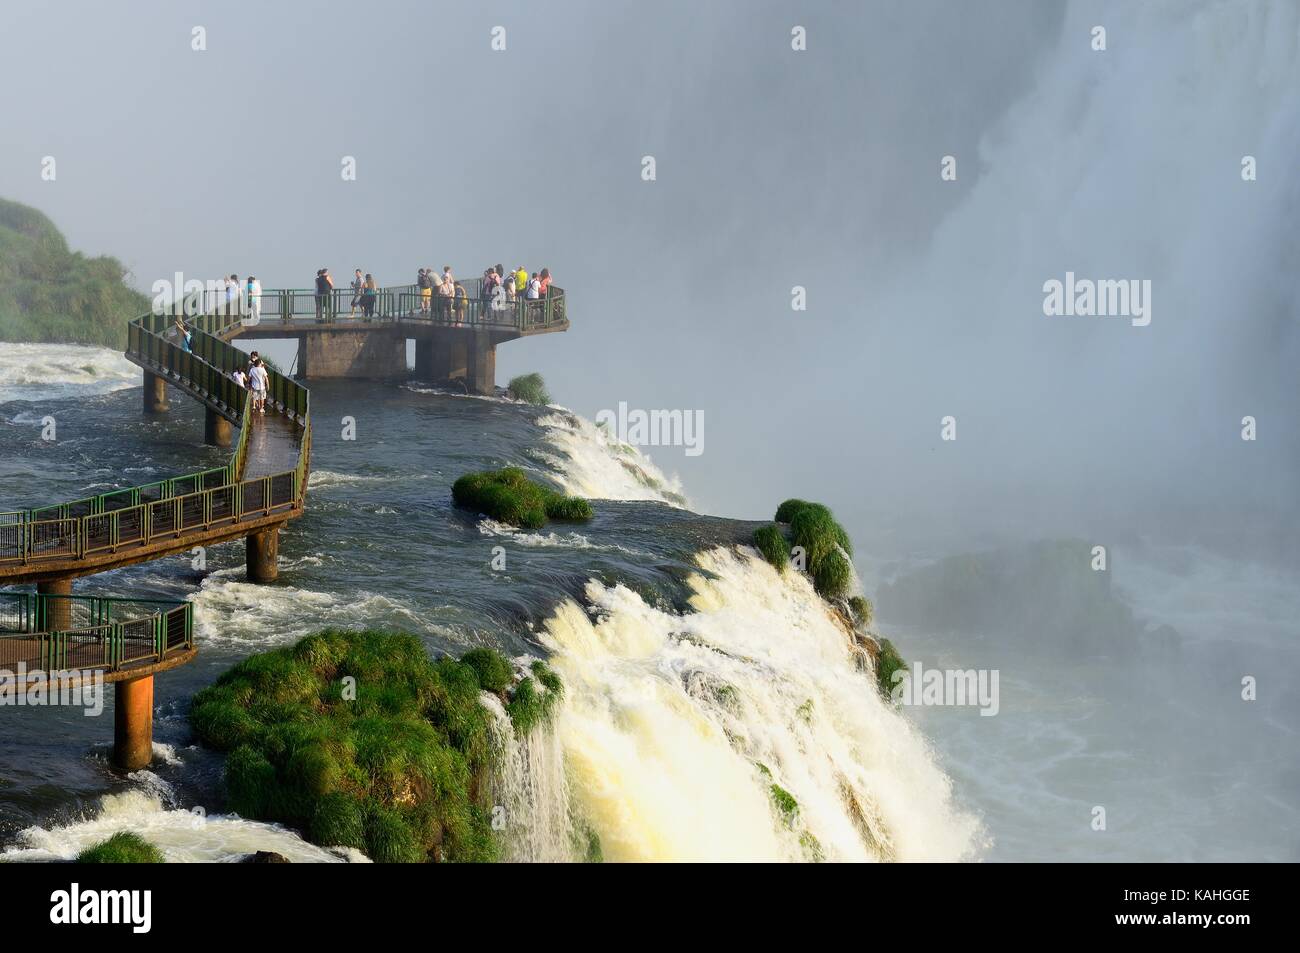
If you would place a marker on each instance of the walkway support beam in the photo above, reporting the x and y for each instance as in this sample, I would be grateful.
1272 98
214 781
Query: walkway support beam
155 394
58 612
216 429
262 551
133 724
482 377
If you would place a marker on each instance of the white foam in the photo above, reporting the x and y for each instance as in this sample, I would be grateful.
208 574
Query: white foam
589 462
42 372
666 719
183 836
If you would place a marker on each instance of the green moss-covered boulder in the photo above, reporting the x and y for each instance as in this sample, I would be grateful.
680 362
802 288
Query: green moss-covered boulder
507 495
360 739
530 388
771 542
124 847
888 662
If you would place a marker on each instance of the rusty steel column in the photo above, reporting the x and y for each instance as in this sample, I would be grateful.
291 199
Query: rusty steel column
262 555
216 429
155 394
58 612
133 724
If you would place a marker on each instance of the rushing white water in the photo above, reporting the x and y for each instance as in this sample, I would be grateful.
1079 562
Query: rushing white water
531 791
592 463
674 729
183 836
39 372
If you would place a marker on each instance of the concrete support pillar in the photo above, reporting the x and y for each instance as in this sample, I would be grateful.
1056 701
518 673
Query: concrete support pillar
155 394
216 429
482 364
424 363
262 550
377 354
302 358
133 724
58 612
450 355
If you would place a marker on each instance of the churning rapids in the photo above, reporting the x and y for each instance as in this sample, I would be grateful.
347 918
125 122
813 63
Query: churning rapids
696 676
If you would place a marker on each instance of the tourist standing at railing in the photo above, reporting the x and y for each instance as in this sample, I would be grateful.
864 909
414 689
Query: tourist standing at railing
521 280
507 283
232 295
534 289
183 337
462 303
369 293
324 285
358 283
254 290
446 292
545 281
486 289
258 380
425 285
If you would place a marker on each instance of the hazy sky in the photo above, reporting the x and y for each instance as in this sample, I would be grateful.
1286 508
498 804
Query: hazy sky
775 168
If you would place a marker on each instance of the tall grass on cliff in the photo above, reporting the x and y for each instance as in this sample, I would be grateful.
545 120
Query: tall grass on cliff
508 496
825 544
360 739
50 294
530 388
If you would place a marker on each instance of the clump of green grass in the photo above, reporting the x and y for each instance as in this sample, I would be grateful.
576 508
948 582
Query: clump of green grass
771 542
360 739
124 847
530 388
825 544
862 609
507 495
784 802
888 662
531 706
494 672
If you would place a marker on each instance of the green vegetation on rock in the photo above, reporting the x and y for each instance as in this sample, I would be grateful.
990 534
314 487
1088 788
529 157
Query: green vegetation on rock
825 544
887 664
360 739
50 294
862 609
530 388
509 496
771 542
124 847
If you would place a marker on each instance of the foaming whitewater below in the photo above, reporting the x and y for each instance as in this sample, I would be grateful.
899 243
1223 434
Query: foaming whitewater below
675 728
490 527
229 611
590 462
183 836
40 372
530 787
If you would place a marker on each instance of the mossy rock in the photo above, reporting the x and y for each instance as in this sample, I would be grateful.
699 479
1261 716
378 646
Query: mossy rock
771 542
888 662
862 609
360 739
508 496
494 671
124 847
530 388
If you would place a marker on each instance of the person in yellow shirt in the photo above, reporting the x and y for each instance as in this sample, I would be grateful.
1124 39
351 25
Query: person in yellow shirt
521 280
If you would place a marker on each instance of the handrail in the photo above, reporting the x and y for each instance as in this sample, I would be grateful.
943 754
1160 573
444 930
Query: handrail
48 632
180 505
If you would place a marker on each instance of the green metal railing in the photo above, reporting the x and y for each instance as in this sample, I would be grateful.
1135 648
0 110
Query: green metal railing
174 508
54 633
